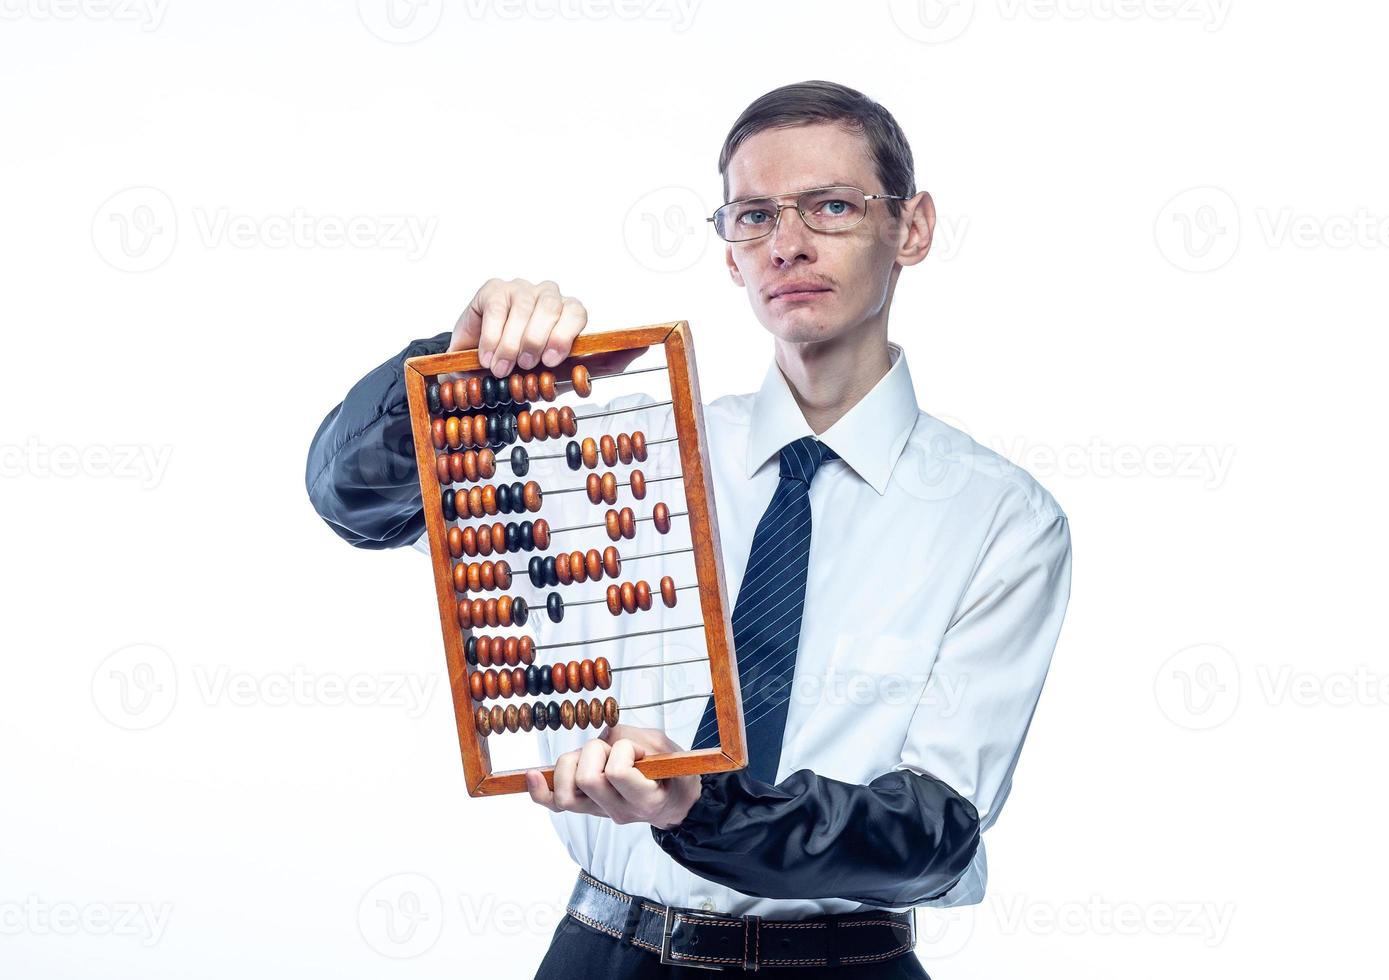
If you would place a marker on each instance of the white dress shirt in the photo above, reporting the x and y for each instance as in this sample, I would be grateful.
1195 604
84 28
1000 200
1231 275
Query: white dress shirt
938 579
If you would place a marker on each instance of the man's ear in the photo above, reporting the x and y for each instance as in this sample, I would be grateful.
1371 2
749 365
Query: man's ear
733 269
920 214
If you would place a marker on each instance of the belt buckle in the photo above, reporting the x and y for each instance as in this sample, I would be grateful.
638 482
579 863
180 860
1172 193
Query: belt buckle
666 930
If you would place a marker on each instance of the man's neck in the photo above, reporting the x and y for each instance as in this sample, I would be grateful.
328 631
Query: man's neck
828 378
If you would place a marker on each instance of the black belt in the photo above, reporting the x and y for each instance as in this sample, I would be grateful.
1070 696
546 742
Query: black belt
689 937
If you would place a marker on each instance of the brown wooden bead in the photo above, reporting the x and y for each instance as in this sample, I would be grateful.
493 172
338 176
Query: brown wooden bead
609 488
552 426
586 675
479 430
455 539
486 464
643 591
499 538
483 720
581 714
540 531
608 448
441 469
479 613
571 674
603 673
531 496
595 713
660 516
547 385
452 432
465 614
483 649
513 718
525 712
629 523
638 484
460 577
526 649
439 432
489 497
518 680
593 485
467 540
474 581
583 386
629 597
566 714
610 710
563 570
568 421
624 447
532 386
593 564
639 446
489 682
589 450
559 678
668 590
614 525
578 571
523 426
504 610
481 537
472 393
504 684
612 564
614 596
507 651
516 386
490 616
486 576
446 401
475 687
538 430
497 717
475 507
458 468
467 462
501 572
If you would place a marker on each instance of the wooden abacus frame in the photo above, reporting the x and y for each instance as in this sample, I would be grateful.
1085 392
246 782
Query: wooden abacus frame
704 536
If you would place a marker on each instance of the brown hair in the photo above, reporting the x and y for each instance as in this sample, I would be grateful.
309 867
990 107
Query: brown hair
820 101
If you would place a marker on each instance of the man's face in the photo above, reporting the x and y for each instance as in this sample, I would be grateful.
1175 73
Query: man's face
851 269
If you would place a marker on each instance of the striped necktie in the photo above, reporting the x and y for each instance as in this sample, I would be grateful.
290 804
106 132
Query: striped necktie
767 617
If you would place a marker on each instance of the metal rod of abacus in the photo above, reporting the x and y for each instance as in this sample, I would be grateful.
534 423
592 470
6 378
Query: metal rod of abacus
649 442
634 707
624 483
585 527
667 663
655 554
616 636
589 602
619 411
618 374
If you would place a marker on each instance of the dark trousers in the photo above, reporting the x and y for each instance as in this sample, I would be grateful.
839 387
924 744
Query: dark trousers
578 952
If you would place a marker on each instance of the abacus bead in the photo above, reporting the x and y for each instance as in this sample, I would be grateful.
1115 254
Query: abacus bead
472 393
486 464
475 502
483 720
568 422
452 431
518 680
520 460
499 537
660 516
589 451
552 427
668 590
612 564
547 681
518 496
460 577
516 387
572 455
572 676
523 426
639 446
503 498
439 432
614 526
509 428
479 613
566 714
593 484
465 614
586 676
512 535
458 391
643 595
484 651
602 673
624 447
470 649
463 466
547 385
561 569
511 651
532 386
431 397
489 498
595 712
554 605
540 533
525 649
526 720
532 679
614 596
581 713
498 718
446 399
532 496
504 688
520 611
475 687
610 710
447 501
538 427
480 433
506 609
502 573
455 539
638 483
554 715
473 578
494 430
608 448
629 597
629 523
489 682
467 540
582 385
593 564
513 718
441 468
539 714
536 569
489 391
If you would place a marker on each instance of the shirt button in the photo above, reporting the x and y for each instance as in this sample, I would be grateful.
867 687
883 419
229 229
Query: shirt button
707 905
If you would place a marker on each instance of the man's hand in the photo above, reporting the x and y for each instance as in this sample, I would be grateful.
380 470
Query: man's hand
519 323
600 779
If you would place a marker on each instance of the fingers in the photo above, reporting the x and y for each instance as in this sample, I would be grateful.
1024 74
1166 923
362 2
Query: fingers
568 793
637 791
489 302
555 348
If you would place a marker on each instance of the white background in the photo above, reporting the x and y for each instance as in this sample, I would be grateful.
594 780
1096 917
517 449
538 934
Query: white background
1158 283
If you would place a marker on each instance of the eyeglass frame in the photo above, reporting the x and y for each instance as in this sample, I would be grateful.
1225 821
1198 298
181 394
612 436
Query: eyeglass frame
799 194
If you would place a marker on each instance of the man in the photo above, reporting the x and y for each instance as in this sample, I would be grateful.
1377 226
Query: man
936 578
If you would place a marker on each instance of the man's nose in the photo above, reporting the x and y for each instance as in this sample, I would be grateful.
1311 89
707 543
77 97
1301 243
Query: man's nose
791 236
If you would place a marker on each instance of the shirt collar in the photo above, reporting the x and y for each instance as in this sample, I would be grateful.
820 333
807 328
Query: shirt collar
869 437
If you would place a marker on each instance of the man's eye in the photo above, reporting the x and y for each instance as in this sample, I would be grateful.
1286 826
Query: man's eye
755 217
837 209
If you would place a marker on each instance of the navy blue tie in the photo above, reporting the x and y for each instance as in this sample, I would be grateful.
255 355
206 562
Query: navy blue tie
767 617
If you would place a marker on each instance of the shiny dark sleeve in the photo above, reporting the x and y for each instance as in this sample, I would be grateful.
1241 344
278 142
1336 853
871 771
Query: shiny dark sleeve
902 839
361 473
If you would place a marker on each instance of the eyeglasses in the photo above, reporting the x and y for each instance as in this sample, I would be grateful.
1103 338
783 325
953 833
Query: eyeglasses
823 209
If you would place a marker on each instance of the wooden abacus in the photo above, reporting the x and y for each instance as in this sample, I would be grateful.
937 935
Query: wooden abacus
462 427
